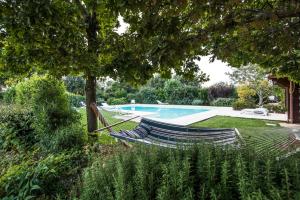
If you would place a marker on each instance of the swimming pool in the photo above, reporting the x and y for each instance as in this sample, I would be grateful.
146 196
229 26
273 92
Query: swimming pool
163 112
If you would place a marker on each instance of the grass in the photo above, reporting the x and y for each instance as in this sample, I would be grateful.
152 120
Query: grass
256 133
104 137
230 122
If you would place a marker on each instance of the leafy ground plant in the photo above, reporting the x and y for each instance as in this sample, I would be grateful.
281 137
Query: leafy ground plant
202 172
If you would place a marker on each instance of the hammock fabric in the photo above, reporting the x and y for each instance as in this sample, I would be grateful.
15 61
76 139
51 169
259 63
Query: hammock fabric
169 135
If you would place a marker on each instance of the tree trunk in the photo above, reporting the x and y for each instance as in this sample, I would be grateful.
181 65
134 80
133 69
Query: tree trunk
260 97
90 93
90 90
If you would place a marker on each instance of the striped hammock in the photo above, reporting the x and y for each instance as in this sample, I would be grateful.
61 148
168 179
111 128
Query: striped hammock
169 135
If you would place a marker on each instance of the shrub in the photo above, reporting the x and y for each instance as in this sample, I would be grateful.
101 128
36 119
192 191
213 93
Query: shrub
49 176
131 96
1 96
14 183
16 127
221 90
100 101
202 172
198 102
117 101
74 84
67 138
223 102
148 95
203 95
57 173
246 93
48 99
240 104
276 108
177 93
9 95
75 99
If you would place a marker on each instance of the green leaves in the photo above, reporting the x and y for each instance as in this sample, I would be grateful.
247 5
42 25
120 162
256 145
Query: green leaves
202 172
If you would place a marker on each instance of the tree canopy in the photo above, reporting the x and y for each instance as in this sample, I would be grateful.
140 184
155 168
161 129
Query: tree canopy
238 32
253 77
79 36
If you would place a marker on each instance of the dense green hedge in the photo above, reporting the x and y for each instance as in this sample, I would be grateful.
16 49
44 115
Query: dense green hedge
203 172
241 104
276 108
176 90
117 101
198 102
48 98
226 102
16 127
75 99
148 96
177 93
9 95
41 142
46 178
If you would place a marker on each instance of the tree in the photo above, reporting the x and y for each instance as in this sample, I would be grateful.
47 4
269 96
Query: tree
263 91
64 37
246 93
221 90
255 78
74 84
238 32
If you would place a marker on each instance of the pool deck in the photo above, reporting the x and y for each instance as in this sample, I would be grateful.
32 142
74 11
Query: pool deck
213 111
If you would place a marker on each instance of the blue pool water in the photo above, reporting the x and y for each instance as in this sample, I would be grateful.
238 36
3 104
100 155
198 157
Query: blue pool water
164 112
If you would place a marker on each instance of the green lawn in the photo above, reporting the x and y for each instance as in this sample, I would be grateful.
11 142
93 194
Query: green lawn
104 137
256 133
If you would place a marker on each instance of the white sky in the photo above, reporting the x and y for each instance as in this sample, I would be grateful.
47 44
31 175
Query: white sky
216 70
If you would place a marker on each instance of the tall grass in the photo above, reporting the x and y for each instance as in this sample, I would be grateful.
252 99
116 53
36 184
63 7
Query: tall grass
202 172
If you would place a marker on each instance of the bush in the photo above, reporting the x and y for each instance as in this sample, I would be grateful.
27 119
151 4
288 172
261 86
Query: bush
131 96
198 102
16 127
202 172
9 95
246 93
74 84
276 108
177 93
148 95
203 95
67 138
48 99
99 101
1 96
49 176
117 101
240 104
75 99
221 90
226 102
13 183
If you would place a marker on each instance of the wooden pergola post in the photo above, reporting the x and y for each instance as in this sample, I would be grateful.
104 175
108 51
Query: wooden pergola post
294 114
292 97
287 102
